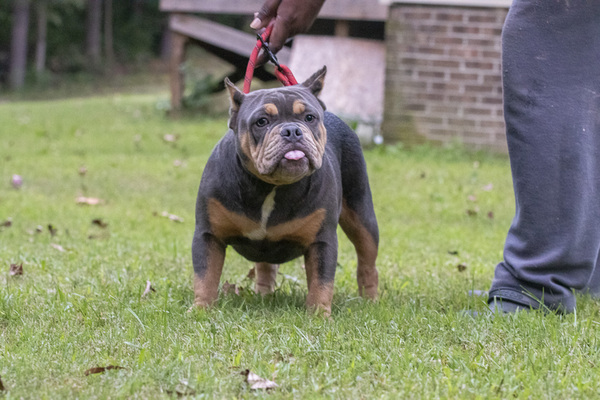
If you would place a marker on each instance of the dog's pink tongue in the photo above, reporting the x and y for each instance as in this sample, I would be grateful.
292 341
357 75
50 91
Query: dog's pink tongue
294 155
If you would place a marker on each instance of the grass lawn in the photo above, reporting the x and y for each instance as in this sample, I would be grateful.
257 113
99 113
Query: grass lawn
443 215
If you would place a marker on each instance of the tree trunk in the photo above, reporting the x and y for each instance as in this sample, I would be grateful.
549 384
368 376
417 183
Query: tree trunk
41 42
18 45
109 51
93 36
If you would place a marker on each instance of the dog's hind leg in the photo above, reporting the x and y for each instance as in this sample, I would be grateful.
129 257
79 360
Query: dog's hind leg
363 234
266 275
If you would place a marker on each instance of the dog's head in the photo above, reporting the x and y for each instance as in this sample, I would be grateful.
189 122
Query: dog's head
280 132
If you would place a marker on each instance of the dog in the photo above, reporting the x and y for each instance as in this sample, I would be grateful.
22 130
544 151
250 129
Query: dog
275 188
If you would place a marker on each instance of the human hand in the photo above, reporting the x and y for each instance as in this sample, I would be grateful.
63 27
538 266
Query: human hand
289 18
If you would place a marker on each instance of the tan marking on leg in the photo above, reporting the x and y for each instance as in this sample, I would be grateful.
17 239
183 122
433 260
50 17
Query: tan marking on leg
266 275
271 109
320 294
298 107
366 252
300 230
206 289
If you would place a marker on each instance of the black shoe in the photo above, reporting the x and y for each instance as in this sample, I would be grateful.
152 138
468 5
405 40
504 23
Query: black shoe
498 305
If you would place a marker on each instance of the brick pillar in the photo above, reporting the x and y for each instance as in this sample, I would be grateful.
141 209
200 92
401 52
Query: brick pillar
443 75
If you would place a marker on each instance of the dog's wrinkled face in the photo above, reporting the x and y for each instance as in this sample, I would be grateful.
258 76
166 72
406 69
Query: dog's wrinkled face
280 133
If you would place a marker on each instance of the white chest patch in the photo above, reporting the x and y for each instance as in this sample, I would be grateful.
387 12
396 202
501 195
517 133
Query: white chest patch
266 210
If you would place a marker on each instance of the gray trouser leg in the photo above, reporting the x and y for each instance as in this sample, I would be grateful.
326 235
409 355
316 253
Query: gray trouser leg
551 78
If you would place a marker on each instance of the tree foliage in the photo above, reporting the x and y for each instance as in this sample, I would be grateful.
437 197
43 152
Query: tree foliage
137 27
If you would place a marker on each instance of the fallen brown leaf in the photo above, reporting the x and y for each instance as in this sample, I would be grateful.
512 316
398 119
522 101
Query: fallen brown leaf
181 392
472 213
99 222
16 269
170 138
172 217
461 267
101 370
256 382
6 224
488 188
229 288
490 215
58 247
53 231
148 289
182 389
88 201
99 237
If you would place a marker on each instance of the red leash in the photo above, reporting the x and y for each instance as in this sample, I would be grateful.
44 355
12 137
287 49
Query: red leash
282 72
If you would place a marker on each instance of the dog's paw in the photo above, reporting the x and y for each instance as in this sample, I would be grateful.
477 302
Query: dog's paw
199 305
368 292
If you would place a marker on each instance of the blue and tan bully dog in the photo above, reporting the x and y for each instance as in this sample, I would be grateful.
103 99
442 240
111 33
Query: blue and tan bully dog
276 187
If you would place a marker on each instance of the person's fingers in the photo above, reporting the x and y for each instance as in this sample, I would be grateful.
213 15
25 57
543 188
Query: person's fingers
279 35
264 15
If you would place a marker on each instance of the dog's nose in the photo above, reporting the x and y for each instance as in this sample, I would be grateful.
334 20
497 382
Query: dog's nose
291 132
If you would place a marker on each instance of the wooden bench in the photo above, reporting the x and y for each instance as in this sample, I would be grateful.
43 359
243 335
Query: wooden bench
235 46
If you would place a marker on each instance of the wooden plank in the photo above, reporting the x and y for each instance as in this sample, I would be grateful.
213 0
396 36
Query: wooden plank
364 10
218 35
458 3
177 82
372 10
211 6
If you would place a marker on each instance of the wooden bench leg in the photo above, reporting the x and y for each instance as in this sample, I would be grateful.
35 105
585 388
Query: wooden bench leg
177 77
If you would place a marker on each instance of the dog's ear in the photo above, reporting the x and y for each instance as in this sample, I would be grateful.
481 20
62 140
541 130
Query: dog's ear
315 82
236 97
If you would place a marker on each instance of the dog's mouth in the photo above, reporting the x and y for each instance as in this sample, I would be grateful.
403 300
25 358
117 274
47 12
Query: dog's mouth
294 163
291 165
294 155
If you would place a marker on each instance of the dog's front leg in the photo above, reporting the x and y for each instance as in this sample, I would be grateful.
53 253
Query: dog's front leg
320 262
208 255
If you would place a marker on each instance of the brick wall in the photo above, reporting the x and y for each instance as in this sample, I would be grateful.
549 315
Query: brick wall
443 75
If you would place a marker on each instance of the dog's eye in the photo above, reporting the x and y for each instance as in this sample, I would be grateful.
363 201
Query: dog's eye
261 122
309 118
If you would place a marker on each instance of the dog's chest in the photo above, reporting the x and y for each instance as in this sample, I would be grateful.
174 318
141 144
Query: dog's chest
276 223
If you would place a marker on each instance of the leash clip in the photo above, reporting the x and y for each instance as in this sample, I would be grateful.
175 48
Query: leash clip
272 57
282 72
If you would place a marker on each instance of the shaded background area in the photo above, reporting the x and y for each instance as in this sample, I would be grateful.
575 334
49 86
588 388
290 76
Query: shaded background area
413 71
